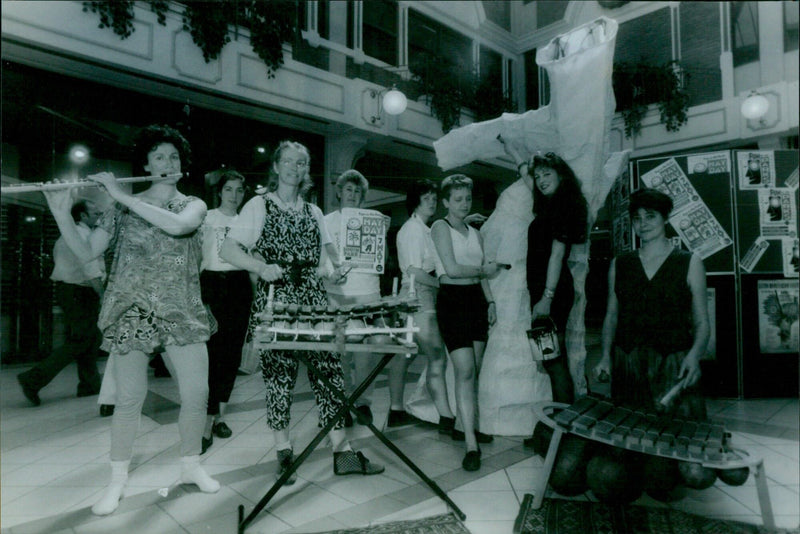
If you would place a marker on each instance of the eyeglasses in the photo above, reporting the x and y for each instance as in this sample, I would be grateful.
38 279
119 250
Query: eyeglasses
301 164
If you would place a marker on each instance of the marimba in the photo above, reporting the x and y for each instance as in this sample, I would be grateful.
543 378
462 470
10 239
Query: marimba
702 442
298 329
340 329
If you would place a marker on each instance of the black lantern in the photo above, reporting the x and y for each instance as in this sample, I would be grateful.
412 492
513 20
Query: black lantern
543 339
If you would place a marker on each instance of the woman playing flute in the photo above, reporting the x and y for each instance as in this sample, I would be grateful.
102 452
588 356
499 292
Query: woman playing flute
152 301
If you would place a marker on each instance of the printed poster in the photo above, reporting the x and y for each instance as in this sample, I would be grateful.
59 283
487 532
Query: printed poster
697 227
793 179
777 212
777 316
712 163
756 169
700 230
790 251
753 254
670 179
364 242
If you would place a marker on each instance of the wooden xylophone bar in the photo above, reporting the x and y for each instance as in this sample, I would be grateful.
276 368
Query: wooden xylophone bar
651 433
648 432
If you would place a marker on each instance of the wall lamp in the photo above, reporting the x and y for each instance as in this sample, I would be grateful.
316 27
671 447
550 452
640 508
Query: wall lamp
393 102
755 106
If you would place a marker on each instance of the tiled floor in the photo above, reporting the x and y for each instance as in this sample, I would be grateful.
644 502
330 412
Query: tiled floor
53 466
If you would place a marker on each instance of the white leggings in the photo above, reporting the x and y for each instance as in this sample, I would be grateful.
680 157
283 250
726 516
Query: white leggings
190 365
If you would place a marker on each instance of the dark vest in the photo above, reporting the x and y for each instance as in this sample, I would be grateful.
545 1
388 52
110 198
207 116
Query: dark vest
654 313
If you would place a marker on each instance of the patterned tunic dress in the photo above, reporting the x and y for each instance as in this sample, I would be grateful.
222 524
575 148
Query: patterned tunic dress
291 239
153 295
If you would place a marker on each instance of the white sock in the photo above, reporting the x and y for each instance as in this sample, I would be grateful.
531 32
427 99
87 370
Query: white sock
193 473
343 447
283 446
114 491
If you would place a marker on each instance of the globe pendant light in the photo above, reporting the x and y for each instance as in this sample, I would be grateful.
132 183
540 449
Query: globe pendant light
754 106
394 102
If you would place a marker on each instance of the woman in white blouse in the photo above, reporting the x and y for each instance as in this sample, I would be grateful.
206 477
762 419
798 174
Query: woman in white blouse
417 259
227 292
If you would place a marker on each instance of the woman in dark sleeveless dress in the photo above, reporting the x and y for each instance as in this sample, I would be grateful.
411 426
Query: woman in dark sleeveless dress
657 319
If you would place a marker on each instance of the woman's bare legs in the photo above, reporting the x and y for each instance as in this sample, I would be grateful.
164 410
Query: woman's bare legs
464 367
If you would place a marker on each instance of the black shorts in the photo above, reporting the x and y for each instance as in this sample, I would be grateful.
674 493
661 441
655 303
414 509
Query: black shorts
462 314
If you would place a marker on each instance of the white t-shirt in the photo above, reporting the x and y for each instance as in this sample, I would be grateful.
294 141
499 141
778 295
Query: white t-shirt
215 228
415 247
72 270
357 283
248 225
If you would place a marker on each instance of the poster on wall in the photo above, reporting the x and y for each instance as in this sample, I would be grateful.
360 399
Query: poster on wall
777 316
777 212
711 163
697 227
711 348
790 250
364 243
700 230
670 179
756 169
753 254
794 179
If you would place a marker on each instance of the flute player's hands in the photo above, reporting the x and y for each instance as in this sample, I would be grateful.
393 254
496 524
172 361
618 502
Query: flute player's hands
109 181
59 201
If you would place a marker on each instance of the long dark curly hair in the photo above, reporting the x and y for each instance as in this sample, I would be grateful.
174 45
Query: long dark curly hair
567 207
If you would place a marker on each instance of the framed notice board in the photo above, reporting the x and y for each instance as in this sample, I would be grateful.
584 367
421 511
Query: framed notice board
765 184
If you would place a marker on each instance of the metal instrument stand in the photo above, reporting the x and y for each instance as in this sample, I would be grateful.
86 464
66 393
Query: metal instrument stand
389 352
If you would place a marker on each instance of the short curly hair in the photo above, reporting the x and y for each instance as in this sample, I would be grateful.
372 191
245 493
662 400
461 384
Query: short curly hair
149 137
416 190
650 199
352 176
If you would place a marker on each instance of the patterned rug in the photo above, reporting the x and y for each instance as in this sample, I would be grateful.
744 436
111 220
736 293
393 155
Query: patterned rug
559 516
440 524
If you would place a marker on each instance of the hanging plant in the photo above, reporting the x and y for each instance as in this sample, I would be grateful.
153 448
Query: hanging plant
638 85
489 101
271 24
445 90
119 15
207 22
115 15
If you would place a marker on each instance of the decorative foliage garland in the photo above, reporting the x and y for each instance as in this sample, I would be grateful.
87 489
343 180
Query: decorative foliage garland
271 24
637 86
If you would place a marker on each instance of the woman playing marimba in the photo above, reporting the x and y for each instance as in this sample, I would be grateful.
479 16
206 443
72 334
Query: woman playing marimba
656 320
286 236
152 300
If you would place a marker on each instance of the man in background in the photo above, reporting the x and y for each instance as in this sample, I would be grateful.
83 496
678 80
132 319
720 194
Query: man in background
78 288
